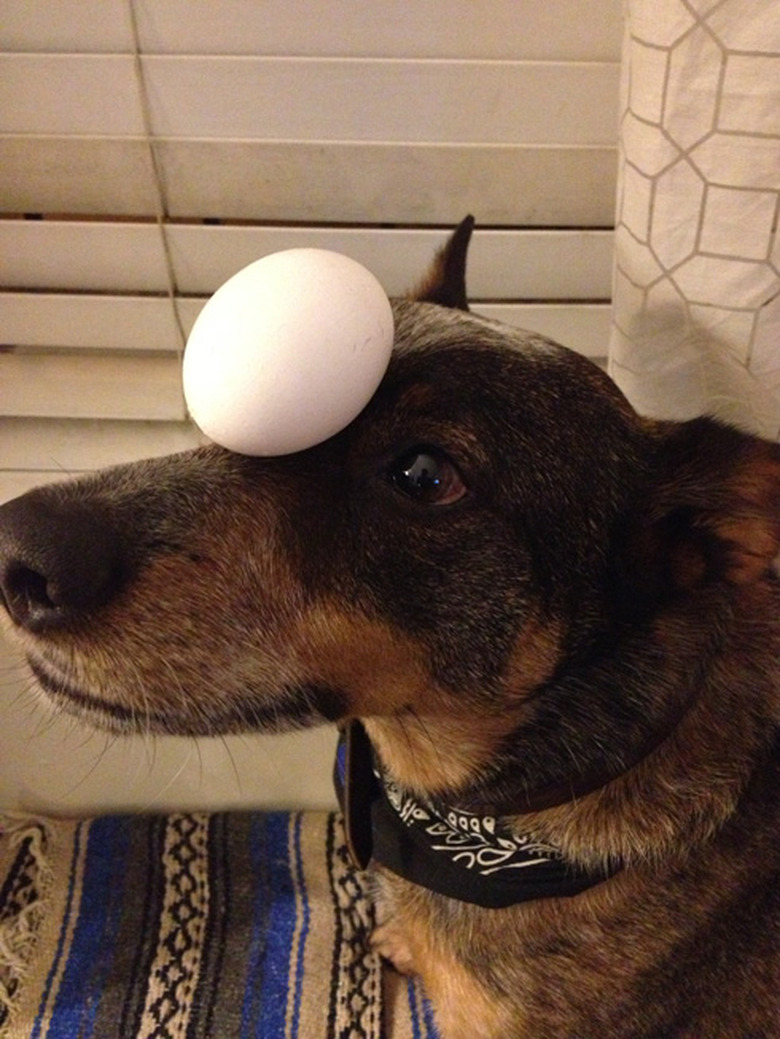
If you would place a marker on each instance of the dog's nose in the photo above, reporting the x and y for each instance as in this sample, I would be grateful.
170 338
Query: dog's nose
59 559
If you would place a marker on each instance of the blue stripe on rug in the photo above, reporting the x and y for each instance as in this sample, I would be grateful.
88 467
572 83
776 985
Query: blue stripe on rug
430 1023
281 929
94 938
35 1034
259 928
421 1012
266 993
411 989
304 934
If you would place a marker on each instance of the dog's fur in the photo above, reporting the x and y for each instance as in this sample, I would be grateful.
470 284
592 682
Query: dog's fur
576 626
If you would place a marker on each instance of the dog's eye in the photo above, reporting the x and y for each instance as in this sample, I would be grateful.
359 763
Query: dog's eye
428 476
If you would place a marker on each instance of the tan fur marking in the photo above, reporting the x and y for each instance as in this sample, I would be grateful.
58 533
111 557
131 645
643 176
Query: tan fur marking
431 754
759 481
752 530
380 671
460 1000
434 278
753 543
188 639
438 746
535 656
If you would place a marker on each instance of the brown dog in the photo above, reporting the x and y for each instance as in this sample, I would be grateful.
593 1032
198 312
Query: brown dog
558 624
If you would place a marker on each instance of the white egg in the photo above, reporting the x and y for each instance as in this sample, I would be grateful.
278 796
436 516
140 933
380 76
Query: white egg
287 352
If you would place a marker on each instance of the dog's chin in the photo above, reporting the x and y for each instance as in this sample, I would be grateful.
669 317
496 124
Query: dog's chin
97 712
293 707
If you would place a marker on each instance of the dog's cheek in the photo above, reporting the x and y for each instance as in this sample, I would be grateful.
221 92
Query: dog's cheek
459 588
376 669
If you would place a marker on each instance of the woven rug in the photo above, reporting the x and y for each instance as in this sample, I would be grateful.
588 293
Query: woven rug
192 926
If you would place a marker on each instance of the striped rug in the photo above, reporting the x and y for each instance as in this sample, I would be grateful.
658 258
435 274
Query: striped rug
192 926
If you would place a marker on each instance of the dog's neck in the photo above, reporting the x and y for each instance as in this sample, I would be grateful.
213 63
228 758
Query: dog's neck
501 795
539 764
454 852
650 717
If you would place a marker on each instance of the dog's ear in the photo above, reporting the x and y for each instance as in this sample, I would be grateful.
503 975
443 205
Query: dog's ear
445 282
713 508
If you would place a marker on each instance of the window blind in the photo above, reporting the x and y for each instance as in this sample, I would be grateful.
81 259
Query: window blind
150 149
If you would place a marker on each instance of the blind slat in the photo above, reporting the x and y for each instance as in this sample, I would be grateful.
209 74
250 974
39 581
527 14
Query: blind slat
92 175
437 28
69 93
312 99
82 256
502 264
133 323
78 445
105 256
384 100
528 185
105 387
87 322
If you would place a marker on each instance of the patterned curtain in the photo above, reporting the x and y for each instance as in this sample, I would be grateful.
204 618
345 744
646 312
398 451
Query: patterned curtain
696 311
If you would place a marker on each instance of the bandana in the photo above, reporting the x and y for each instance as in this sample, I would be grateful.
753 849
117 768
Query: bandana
473 858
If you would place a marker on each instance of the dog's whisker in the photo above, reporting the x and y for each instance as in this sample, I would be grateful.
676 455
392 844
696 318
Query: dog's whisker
174 778
150 747
439 752
87 735
233 765
13 671
97 761
199 752
175 690
26 692
432 743
47 721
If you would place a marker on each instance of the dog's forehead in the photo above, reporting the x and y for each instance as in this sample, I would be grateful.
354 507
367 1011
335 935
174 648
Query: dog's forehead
430 328
457 377
463 358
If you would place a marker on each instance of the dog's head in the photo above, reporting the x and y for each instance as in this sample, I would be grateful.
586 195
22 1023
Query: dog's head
493 521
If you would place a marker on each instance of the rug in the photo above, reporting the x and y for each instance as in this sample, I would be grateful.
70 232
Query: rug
192 926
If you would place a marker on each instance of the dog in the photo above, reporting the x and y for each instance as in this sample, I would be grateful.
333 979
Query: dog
549 628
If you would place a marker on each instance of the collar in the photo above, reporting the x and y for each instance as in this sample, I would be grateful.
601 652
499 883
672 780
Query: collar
469 857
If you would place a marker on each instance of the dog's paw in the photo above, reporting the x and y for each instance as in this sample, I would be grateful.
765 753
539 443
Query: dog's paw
390 942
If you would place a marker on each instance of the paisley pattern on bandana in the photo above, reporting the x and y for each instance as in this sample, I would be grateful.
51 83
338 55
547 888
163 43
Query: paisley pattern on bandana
442 848
474 842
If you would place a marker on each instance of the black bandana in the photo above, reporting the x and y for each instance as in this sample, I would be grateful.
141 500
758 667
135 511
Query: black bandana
472 858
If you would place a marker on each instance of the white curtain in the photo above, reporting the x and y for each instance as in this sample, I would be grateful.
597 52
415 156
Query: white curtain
696 303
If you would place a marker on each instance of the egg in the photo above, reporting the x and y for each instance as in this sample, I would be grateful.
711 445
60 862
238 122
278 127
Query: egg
287 352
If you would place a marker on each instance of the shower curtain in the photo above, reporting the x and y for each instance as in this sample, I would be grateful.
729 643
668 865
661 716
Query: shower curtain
696 301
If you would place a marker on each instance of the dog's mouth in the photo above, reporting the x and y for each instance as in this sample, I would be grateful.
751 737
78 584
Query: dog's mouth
75 701
292 707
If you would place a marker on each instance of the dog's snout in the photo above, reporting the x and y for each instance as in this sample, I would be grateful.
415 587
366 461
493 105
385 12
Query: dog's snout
59 559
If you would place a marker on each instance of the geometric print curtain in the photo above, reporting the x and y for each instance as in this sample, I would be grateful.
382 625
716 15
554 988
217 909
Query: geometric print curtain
696 293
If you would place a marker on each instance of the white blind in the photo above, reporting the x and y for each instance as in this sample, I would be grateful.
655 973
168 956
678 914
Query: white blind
149 151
